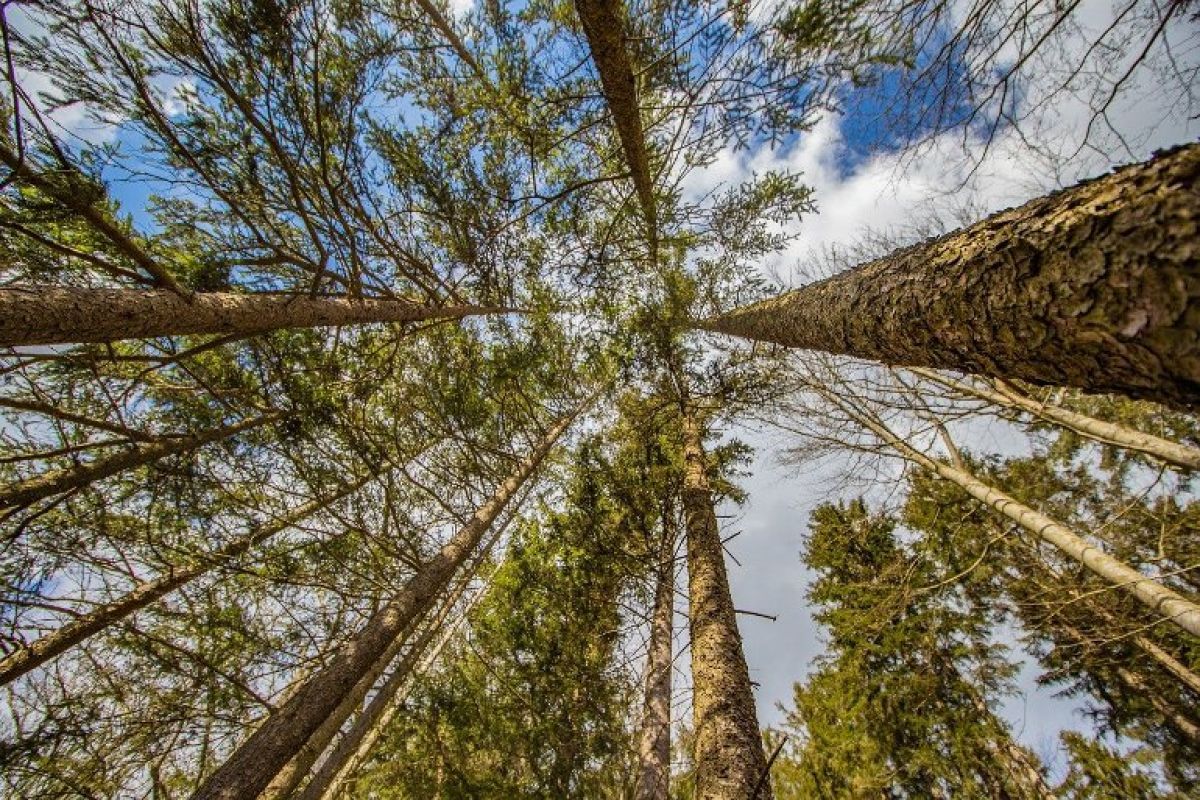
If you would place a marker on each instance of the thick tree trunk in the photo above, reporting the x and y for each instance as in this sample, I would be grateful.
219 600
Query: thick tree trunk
353 748
1097 286
145 593
604 25
654 740
34 489
1155 596
729 753
1008 396
32 315
281 736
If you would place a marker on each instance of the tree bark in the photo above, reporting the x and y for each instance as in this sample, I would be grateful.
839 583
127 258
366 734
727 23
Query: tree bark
604 25
33 489
729 753
355 746
1096 286
281 736
1008 396
654 740
33 315
88 625
284 784
1151 593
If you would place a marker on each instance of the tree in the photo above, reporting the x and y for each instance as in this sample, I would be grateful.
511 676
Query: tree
900 704
1047 321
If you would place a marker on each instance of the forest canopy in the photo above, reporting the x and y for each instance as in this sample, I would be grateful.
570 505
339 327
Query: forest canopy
385 388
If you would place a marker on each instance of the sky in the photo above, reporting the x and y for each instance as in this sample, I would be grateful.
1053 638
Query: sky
886 192
856 193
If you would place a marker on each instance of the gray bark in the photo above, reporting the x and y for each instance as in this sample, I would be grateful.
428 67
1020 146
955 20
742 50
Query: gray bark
654 739
1096 286
1151 593
32 315
729 755
282 735
88 625
1007 396
33 489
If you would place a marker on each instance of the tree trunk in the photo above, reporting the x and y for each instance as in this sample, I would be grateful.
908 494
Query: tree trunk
281 736
33 489
654 740
729 753
1151 593
285 782
1096 286
355 746
1008 396
31 315
604 25
1180 723
1137 684
145 593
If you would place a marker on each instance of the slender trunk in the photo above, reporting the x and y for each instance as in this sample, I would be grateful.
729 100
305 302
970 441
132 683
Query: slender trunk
281 736
1169 663
1008 396
145 593
1096 286
1137 684
31 315
654 740
1015 760
729 753
285 782
1181 724
33 489
604 25
353 749
1155 596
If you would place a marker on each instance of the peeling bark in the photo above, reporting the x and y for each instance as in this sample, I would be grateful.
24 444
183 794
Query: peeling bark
604 25
1096 286
33 489
32 315
654 739
88 625
282 735
729 753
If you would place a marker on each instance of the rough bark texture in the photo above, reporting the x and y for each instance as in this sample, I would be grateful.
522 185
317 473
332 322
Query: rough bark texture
31 315
1008 396
729 755
604 25
51 483
282 735
1149 592
654 740
145 593
1096 286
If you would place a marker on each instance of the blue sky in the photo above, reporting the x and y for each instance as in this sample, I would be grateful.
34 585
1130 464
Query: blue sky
862 184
